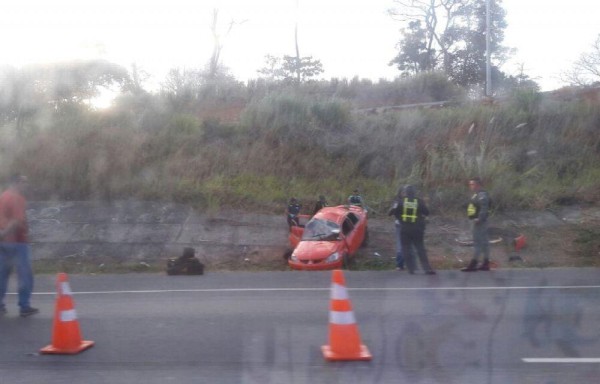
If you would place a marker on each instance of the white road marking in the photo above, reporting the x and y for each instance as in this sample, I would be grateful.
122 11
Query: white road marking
561 360
391 289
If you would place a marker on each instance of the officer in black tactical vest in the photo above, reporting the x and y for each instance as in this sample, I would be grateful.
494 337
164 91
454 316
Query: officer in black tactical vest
411 212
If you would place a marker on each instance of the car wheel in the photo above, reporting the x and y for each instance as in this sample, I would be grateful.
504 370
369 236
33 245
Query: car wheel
288 254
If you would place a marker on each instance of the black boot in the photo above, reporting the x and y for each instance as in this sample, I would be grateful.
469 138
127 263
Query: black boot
485 266
472 267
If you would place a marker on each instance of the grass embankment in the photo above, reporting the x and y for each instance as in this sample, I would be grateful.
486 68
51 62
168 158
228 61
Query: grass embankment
531 156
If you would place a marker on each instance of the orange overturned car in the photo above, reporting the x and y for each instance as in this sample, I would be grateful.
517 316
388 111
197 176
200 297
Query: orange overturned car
329 239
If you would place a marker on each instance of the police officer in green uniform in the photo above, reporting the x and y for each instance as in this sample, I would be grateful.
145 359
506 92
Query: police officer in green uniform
411 212
478 211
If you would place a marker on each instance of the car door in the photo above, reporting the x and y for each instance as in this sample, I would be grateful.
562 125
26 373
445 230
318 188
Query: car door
355 237
349 232
295 236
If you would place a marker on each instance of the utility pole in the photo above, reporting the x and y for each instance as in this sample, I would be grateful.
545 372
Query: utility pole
488 71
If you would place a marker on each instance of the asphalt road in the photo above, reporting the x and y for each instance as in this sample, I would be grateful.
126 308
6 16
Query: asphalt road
506 326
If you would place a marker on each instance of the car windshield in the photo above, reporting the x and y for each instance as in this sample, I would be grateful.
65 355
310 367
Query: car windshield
318 229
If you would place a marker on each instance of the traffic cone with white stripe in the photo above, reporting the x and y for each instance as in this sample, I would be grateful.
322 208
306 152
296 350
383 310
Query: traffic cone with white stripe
66 336
344 338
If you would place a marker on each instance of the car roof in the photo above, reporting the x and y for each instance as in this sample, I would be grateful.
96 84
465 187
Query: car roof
337 213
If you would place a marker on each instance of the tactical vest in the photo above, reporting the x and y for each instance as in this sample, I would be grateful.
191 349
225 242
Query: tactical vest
409 210
473 208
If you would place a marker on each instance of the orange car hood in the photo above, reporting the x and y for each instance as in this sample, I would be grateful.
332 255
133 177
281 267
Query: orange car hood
315 250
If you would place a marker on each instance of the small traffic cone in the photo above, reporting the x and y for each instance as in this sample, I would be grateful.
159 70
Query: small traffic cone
519 242
66 336
344 338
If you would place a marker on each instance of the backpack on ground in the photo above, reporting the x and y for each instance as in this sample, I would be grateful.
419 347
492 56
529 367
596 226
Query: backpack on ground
186 264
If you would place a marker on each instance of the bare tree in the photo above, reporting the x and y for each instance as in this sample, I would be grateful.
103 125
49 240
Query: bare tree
135 82
450 35
437 16
586 70
215 58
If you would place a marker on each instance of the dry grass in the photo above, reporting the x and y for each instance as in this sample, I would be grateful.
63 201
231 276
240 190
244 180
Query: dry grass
288 143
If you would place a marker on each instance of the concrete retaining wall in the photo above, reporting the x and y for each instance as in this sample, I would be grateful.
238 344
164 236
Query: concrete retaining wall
134 230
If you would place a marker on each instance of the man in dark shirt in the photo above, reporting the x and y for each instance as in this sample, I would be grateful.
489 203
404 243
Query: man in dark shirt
293 210
320 204
356 199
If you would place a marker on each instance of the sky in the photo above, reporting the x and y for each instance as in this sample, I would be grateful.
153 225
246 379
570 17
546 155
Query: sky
349 37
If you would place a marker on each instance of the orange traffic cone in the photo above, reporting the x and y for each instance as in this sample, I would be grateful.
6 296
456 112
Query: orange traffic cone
519 242
66 336
344 338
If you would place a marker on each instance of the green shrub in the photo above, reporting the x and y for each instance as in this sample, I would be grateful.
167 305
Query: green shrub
184 124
